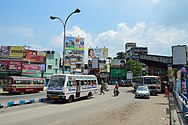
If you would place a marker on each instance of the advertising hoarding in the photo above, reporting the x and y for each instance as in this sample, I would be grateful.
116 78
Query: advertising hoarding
179 55
74 43
10 66
101 53
119 73
33 70
95 63
118 63
34 56
183 79
11 51
103 67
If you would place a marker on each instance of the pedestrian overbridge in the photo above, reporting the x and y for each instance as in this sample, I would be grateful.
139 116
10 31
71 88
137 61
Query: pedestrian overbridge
156 60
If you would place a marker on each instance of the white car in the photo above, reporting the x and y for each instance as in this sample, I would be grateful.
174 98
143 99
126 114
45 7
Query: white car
142 92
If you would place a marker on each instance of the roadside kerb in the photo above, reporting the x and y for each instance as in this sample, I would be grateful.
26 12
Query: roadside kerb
23 102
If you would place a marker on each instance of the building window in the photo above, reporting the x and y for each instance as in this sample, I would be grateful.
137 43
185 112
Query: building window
56 62
49 66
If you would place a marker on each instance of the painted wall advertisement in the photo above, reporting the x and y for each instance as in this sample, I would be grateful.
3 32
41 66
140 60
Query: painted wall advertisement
33 70
11 51
34 56
10 66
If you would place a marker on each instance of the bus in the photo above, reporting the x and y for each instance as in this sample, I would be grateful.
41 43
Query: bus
153 83
70 86
19 84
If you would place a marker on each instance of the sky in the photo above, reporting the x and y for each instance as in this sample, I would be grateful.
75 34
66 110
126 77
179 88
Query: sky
156 24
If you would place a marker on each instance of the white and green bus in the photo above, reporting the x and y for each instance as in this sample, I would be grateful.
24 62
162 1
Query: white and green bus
153 83
71 86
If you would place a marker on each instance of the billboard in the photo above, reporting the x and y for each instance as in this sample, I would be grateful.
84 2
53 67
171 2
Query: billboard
101 53
183 79
10 66
34 56
103 67
33 70
95 63
11 51
74 43
119 73
179 55
118 63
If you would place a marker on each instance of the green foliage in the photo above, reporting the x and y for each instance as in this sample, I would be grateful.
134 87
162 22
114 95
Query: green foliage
120 55
135 67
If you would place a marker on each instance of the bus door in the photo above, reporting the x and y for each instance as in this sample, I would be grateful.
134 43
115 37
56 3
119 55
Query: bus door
78 85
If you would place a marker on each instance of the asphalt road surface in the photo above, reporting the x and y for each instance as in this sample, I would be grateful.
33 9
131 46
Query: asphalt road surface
100 110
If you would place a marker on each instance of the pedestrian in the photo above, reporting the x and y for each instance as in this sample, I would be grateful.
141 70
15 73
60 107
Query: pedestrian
166 89
102 90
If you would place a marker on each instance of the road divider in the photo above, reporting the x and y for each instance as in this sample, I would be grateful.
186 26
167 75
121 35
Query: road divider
23 102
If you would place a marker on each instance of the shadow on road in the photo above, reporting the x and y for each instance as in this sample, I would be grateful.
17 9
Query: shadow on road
65 101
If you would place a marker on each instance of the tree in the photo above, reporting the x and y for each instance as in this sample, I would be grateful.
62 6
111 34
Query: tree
120 55
135 67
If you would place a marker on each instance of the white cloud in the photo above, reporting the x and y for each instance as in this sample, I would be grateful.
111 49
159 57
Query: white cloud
156 37
18 30
152 35
155 1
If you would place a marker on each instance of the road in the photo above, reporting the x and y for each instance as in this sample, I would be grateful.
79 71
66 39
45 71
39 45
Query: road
100 110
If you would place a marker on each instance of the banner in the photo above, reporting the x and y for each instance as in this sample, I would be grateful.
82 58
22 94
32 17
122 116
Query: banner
11 51
34 56
16 52
119 73
101 53
33 70
10 66
74 43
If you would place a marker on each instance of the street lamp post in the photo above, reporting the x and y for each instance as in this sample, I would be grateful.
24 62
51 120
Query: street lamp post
64 27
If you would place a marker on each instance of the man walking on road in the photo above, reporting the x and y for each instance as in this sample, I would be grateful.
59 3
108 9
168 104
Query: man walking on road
102 89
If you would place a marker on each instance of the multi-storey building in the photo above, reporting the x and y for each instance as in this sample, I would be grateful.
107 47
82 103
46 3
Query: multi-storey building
52 64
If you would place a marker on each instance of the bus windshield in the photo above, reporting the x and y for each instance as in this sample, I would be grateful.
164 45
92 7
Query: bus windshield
151 80
57 81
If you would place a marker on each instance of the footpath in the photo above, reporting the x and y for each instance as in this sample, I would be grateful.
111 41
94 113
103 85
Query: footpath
176 116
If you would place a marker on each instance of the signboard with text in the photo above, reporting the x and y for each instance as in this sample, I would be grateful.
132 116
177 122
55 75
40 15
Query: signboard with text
34 56
101 53
11 51
33 70
10 66
74 43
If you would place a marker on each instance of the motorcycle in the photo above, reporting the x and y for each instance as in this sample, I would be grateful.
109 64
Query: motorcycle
116 92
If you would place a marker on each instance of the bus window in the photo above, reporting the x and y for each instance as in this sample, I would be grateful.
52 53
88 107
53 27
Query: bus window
82 83
17 82
57 81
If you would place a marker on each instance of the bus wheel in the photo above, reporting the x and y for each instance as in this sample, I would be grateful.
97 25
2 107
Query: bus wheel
89 95
71 98
56 100
22 92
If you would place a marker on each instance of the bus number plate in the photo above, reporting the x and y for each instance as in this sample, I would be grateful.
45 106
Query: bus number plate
54 97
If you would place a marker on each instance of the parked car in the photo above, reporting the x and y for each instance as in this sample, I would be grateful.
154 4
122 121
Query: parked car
142 92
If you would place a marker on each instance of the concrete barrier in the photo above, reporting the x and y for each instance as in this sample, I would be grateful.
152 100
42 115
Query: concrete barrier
23 102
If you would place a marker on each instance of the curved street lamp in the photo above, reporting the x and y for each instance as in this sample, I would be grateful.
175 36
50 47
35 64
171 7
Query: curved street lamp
64 26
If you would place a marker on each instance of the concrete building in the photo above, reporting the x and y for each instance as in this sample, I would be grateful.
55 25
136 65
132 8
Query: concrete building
133 52
74 62
52 64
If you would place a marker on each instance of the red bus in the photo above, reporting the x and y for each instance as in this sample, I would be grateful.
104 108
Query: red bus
17 84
